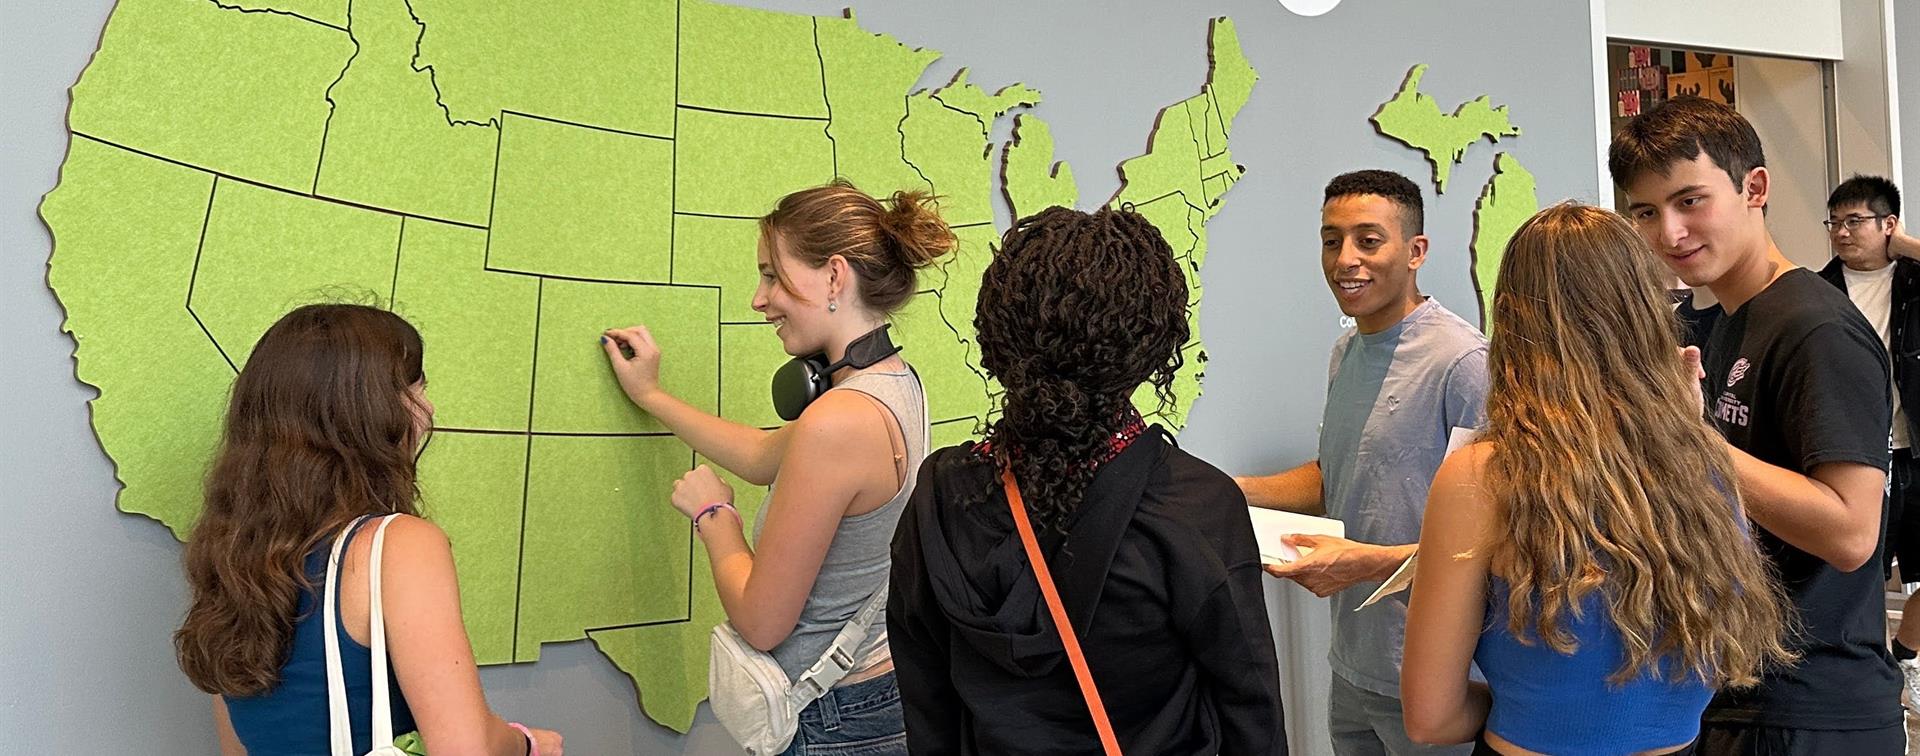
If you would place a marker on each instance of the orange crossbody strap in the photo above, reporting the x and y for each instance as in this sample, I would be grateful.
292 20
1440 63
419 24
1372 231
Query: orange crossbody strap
1060 620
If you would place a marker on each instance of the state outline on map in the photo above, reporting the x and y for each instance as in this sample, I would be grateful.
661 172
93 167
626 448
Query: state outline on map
1442 164
280 12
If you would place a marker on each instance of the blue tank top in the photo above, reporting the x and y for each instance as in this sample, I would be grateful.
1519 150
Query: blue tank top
1549 702
291 718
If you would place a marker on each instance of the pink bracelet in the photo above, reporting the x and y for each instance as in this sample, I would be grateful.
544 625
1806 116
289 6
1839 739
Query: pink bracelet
710 509
533 746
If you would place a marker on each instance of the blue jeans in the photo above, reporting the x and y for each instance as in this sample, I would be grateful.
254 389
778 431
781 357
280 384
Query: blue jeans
862 719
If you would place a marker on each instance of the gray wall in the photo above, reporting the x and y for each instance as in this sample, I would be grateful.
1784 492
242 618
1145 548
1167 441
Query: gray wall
91 596
1784 99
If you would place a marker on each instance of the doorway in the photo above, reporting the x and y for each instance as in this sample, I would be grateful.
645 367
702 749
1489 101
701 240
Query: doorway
1784 98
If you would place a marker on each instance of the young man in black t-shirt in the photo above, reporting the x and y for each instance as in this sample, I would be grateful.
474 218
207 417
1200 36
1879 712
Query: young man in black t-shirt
1798 383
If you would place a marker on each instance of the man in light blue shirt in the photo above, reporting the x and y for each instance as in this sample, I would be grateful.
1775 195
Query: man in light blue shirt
1400 382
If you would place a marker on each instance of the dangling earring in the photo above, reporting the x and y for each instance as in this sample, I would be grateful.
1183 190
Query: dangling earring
833 305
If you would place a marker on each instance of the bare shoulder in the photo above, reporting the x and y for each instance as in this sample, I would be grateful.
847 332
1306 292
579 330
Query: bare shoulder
1466 460
843 418
416 564
413 545
415 531
1457 493
842 452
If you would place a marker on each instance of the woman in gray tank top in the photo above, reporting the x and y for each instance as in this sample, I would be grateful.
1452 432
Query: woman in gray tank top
834 263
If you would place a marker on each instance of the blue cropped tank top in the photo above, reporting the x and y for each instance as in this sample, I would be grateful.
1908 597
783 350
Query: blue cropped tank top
1549 702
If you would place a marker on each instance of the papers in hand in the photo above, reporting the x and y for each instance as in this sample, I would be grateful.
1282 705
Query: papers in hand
1271 525
1402 578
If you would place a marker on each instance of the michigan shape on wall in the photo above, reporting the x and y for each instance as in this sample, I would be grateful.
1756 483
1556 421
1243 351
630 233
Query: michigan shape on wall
1509 197
514 177
1508 200
1414 118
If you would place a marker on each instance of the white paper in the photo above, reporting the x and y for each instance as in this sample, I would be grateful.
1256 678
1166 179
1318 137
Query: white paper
1271 525
1459 437
1402 579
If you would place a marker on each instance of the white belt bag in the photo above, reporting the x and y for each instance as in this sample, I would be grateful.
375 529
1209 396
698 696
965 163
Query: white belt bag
753 698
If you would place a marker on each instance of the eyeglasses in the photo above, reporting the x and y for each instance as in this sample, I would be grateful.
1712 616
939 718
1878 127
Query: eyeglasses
1851 222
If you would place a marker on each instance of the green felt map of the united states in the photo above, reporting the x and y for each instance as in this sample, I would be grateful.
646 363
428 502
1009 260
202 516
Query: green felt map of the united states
514 177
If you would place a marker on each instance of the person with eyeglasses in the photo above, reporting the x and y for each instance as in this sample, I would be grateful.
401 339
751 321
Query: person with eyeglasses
1874 263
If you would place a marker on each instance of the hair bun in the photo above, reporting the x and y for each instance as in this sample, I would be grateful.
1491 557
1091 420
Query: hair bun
912 220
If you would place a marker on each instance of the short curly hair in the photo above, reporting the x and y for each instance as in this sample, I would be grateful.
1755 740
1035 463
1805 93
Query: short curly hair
1391 186
1076 312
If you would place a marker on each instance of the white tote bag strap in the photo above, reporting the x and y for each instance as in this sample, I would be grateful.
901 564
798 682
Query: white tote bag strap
339 726
377 623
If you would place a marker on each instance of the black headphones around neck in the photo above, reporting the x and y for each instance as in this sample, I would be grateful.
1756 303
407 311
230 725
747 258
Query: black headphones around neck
803 379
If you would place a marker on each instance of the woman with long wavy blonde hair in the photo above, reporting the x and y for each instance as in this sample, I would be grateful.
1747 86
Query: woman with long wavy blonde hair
1589 551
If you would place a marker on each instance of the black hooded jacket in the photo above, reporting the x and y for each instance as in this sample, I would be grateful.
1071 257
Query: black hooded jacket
1904 333
1160 575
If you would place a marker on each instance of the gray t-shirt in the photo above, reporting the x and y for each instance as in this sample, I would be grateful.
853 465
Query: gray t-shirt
1393 398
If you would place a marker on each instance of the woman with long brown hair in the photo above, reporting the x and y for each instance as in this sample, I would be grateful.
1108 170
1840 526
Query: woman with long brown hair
322 430
1589 550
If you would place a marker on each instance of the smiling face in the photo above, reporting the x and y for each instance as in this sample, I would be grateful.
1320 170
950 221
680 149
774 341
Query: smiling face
797 309
1700 223
1369 259
1863 247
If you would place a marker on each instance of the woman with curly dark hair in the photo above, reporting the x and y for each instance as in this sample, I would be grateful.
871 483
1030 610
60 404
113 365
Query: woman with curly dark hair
1150 548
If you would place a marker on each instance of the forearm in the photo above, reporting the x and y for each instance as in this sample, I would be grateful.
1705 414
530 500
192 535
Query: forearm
492 735
1465 718
1390 558
1440 711
1902 245
917 634
1329 565
1446 611
933 726
749 452
725 537
503 739
731 558
1804 512
1296 490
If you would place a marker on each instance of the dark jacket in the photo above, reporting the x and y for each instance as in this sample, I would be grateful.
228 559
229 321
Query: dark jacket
1160 575
1903 334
